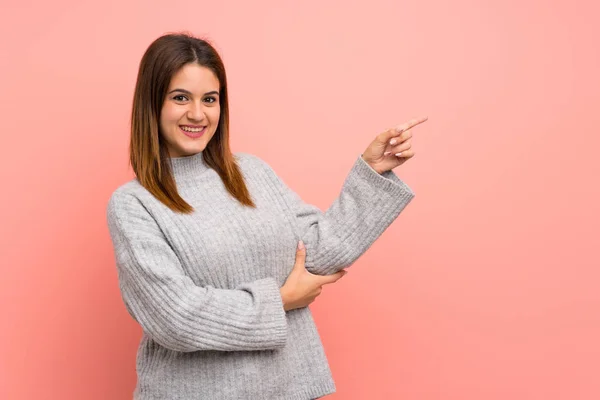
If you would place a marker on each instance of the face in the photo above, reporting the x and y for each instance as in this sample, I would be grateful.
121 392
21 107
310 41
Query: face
191 110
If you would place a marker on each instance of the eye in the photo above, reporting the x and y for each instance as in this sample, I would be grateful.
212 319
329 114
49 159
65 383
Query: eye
214 99
176 98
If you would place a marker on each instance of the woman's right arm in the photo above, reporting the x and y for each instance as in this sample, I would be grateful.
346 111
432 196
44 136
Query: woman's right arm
171 308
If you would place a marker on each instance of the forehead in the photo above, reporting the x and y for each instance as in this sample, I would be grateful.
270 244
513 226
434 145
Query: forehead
195 78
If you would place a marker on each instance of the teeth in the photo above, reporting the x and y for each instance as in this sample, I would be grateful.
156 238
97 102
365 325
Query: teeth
185 128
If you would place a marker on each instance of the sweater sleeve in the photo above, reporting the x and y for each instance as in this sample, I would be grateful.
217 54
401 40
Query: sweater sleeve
367 205
171 308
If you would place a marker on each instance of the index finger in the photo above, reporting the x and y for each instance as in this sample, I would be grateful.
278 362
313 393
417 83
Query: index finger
412 123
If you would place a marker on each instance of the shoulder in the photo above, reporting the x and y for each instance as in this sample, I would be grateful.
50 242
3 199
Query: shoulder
259 172
247 158
126 190
252 163
126 199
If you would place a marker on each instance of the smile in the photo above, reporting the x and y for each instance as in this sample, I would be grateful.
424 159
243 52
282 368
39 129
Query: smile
192 132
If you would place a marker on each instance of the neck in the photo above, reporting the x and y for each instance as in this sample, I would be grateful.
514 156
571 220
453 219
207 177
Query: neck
188 166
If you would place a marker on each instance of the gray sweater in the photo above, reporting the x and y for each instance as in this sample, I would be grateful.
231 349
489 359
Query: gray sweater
204 287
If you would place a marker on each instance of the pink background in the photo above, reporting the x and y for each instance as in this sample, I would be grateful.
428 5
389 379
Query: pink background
486 287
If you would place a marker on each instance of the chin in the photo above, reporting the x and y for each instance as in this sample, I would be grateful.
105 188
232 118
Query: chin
192 151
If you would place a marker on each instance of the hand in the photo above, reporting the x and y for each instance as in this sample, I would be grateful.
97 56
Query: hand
392 148
301 287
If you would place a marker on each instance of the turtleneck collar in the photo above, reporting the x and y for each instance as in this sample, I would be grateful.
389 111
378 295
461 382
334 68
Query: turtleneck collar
188 166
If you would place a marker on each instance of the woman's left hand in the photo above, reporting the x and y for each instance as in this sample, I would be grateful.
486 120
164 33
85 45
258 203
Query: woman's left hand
392 148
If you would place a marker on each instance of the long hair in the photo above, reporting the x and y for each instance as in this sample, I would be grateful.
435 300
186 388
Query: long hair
148 153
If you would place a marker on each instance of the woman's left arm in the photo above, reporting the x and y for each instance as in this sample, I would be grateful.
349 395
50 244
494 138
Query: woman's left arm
371 198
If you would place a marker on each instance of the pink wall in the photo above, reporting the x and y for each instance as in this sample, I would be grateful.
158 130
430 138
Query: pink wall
486 287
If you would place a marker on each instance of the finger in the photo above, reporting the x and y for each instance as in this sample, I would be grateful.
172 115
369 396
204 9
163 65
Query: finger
407 134
406 145
334 277
405 154
384 137
300 255
412 123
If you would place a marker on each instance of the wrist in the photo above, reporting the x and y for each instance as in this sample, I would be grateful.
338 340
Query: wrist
284 299
371 165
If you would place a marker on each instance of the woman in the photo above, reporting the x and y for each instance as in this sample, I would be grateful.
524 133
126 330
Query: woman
217 258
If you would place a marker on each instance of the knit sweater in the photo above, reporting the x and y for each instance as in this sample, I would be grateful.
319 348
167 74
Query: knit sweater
204 287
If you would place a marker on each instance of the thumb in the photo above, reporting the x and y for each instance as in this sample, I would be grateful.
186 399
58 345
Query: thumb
334 277
384 137
300 255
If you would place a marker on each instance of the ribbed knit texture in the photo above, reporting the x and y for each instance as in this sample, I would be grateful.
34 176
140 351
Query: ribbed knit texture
204 287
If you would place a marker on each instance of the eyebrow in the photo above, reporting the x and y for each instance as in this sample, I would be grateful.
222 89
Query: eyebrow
190 93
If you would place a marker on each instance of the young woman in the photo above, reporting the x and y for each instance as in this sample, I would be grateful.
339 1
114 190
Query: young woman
217 258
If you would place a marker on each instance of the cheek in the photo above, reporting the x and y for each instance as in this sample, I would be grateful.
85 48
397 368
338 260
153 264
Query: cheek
215 115
169 115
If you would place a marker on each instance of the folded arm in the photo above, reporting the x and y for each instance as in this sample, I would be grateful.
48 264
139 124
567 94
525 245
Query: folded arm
174 311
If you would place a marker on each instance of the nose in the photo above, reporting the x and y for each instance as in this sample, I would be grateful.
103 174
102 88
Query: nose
196 111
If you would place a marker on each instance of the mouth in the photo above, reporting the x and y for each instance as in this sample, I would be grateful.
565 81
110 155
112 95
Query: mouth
192 131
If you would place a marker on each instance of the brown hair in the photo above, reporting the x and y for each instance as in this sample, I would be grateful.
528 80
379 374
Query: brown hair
148 153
